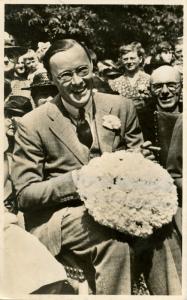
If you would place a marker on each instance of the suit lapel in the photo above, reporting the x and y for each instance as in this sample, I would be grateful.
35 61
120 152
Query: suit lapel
105 135
62 127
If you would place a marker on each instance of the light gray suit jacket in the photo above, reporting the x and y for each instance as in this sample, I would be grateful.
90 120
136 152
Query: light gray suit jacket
47 150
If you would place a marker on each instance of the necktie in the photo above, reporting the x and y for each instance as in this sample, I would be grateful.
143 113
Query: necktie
83 129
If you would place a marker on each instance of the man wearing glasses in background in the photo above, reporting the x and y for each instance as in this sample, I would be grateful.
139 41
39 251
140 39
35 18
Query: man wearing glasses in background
162 124
52 143
166 87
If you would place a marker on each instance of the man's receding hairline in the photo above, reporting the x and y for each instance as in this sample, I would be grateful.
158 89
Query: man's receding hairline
60 46
176 72
75 44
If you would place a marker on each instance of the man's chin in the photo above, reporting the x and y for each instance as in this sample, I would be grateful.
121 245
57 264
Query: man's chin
80 100
131 69
168 107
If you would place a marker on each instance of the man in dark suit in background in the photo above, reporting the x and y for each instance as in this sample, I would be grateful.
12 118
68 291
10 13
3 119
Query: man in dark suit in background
52 143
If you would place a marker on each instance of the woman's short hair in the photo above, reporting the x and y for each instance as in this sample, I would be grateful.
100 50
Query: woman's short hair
134 46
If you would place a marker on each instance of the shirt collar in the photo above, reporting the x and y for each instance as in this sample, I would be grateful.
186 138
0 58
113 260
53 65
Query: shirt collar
74 112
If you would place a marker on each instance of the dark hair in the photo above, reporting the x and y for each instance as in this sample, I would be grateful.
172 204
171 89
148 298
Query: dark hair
58 46
163 46
156 59
93 56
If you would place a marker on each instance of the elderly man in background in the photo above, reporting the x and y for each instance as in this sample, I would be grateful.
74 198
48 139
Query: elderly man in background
162 124
166 88
52 143
163 104
162 116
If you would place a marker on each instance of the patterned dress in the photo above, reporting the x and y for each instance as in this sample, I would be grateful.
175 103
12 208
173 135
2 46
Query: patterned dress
138 92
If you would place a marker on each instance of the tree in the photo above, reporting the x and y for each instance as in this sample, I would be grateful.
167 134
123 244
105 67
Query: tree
102 27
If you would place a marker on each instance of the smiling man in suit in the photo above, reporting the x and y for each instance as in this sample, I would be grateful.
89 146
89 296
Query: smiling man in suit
52 143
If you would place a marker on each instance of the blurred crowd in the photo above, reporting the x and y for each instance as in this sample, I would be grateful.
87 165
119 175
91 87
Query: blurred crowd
27 84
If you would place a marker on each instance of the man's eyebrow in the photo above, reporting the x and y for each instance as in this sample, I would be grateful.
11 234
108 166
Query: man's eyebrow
65 71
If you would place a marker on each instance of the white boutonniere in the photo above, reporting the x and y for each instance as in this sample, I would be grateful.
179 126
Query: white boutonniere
111 122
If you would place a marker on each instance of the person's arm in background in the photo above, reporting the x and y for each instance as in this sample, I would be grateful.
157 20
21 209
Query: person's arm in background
132 133
174 167
174 159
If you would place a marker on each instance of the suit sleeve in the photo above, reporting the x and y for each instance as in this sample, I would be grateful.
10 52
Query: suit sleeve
132 133
33 192
174 159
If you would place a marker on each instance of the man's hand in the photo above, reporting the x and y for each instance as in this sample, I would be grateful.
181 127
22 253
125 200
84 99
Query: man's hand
11 126
147 150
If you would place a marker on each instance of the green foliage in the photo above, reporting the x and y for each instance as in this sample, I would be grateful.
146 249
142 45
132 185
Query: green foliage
102 27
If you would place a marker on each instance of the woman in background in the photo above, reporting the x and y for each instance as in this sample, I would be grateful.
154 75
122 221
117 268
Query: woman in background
162 55
134 83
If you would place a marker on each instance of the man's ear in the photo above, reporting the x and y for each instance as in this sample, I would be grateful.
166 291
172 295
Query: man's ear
91 65
50 77
141 59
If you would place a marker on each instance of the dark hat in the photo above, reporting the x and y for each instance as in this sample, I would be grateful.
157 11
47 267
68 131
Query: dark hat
10 47
39 80
111 72
18 105
14 51
109 68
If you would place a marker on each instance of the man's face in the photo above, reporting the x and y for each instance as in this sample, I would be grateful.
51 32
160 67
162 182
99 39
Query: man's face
71 72
131 61
166 88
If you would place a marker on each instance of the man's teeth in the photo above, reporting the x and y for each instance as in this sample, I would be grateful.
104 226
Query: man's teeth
79 91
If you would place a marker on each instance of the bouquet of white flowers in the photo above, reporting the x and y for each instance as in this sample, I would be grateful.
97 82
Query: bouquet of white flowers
127 192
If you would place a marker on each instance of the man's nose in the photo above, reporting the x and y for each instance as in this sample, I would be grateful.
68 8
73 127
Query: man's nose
76 79
165 89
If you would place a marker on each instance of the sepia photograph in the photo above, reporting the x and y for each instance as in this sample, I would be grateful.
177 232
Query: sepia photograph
92 129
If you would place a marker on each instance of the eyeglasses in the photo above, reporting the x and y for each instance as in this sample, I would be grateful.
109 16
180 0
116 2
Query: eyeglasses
171 86
67 76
